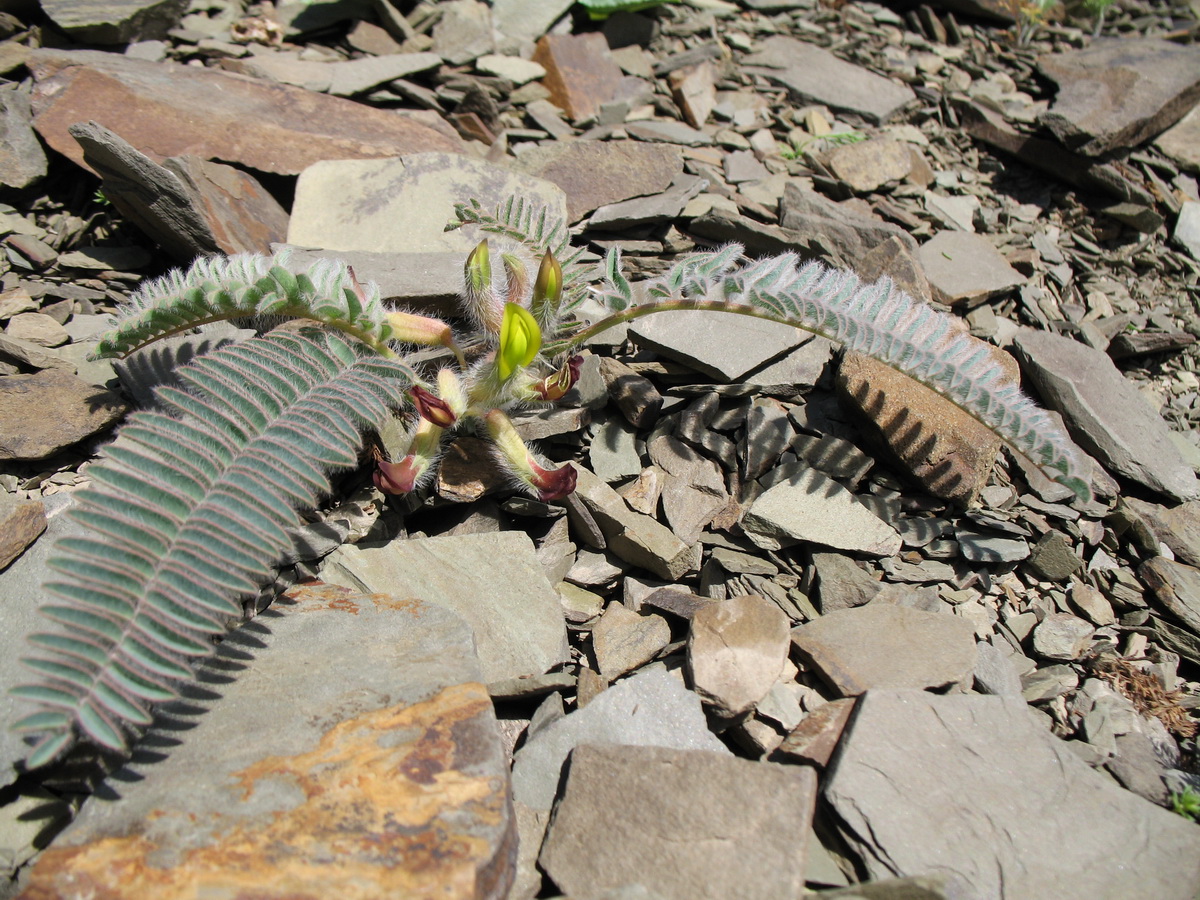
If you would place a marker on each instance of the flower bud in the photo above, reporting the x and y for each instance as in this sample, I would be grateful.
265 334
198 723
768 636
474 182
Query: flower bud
553 387
432 408
547 290
548 484
478 297
520 340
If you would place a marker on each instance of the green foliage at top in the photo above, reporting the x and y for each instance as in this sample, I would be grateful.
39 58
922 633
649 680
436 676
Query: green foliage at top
602 9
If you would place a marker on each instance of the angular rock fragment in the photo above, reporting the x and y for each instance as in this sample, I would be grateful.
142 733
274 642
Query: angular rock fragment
114 21
1105 413
493 581
869 165
580 72
390 776
1115 94
684 824
736 651
963 267
651 708
810 506
841 233
270 127
882 645
595 174
21 521
636 538
403 204
816 738
723 347
80 410
961 785
624 640
817 75
22 159
190 206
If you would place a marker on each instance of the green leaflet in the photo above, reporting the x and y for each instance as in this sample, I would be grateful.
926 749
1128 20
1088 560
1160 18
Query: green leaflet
179 544
248 286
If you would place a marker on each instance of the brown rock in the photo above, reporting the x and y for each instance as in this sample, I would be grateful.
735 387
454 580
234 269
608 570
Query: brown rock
817 735
468 471
1176 526
869 165
580 72
635 395
79 410
881 645
947 451
1176 587
270 127
736 650
695 91
596 173
1052 559
390 781
21 521
624 640
190 206
1116 93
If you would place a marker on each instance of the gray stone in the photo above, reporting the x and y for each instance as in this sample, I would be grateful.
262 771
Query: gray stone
810 506
1187 229
693 487
580 606
995 673
668 132
1116 93
624 640
840 231
114 21
1105 413
1176 587
736 652
612 451
1137 767
795 372
742 166
493 581
36 328
595 173
978 547
336 786
636 538
403 204
882 645
634 395
817 75
22 159
1062 636
768 433
841 584
1177 526
963 267
836 457
464 32
1092 604
1181 142
520 21
512 68
649 709
869 165
684 824
920 887
22 586
722 347
657 208
80 411
1048 682
959 785
30 815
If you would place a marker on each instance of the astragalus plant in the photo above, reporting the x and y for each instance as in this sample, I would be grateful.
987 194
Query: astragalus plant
190 505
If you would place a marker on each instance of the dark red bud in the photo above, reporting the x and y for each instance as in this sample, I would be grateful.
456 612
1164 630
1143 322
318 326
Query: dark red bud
432 407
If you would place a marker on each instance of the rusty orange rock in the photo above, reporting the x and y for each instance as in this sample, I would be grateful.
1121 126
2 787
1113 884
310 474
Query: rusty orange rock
376 794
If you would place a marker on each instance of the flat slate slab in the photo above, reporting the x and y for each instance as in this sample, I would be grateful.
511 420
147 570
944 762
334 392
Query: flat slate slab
975 788
723 347
379 772
403 204
816 74
271 127
649 709
1116 93
1105 413
684 824
493 581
